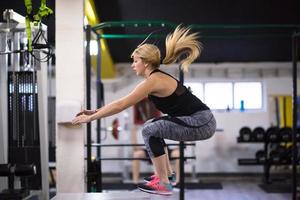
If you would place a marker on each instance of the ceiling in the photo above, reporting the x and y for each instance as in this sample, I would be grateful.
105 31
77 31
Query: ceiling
238 45
264 47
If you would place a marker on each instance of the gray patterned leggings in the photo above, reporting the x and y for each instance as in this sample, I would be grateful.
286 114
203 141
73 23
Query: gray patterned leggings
199 126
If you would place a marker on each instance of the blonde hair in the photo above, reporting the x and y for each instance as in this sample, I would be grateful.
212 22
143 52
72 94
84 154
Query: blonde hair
180 42
149 53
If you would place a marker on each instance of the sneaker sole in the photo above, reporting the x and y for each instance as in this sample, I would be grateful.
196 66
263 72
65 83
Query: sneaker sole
155 192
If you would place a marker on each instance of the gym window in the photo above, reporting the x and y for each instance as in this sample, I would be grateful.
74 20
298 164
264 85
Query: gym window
250 93
218 95
224 95
195 88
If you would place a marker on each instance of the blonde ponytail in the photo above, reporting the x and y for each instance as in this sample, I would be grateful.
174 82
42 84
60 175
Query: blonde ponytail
182 42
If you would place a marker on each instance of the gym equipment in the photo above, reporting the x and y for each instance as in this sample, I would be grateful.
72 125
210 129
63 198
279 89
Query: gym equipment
258 134
5 169
147 159
273 134
277 149
276 154
287 157
260 156
281 155
25 170
26 49
286 134
19 170
297 135
23 84
245 134
44 11
132 145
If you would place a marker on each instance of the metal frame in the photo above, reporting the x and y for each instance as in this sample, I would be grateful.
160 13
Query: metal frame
133 145
3 111
88 104
295 53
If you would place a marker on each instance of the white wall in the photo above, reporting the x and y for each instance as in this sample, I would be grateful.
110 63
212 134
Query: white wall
220 153
70 90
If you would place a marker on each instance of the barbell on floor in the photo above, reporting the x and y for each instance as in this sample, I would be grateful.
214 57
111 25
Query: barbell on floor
144 159
134 145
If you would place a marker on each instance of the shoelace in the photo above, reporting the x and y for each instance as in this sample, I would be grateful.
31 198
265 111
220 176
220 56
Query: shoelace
154 176
158 186
154 180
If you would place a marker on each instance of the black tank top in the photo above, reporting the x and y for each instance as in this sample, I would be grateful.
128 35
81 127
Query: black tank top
180 103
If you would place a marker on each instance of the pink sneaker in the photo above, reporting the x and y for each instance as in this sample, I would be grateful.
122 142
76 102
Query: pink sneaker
154 177
155 187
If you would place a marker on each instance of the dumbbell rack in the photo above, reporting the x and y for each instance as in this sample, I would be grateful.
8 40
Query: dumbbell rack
254 161
267 161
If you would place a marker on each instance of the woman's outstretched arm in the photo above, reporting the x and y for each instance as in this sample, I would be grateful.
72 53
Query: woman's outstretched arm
140 92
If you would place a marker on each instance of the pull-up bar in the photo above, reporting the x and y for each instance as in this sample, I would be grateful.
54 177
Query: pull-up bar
135 23
159 23
288 28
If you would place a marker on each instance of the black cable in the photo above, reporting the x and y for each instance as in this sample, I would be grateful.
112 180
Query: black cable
39 46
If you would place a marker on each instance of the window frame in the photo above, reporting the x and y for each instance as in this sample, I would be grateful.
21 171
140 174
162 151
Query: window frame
233 82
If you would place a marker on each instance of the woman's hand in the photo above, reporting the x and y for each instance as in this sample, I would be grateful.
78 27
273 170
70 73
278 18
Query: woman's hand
82 119
86 112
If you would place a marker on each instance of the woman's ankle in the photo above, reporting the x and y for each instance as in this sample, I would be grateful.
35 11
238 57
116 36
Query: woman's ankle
171 174
165 181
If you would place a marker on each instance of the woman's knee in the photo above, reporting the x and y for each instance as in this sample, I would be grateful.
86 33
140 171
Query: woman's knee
147 133
156 146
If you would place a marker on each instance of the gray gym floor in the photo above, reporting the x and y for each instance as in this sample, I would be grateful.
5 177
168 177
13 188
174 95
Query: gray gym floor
232 190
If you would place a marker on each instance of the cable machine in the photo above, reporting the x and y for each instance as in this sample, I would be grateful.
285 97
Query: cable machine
23 108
